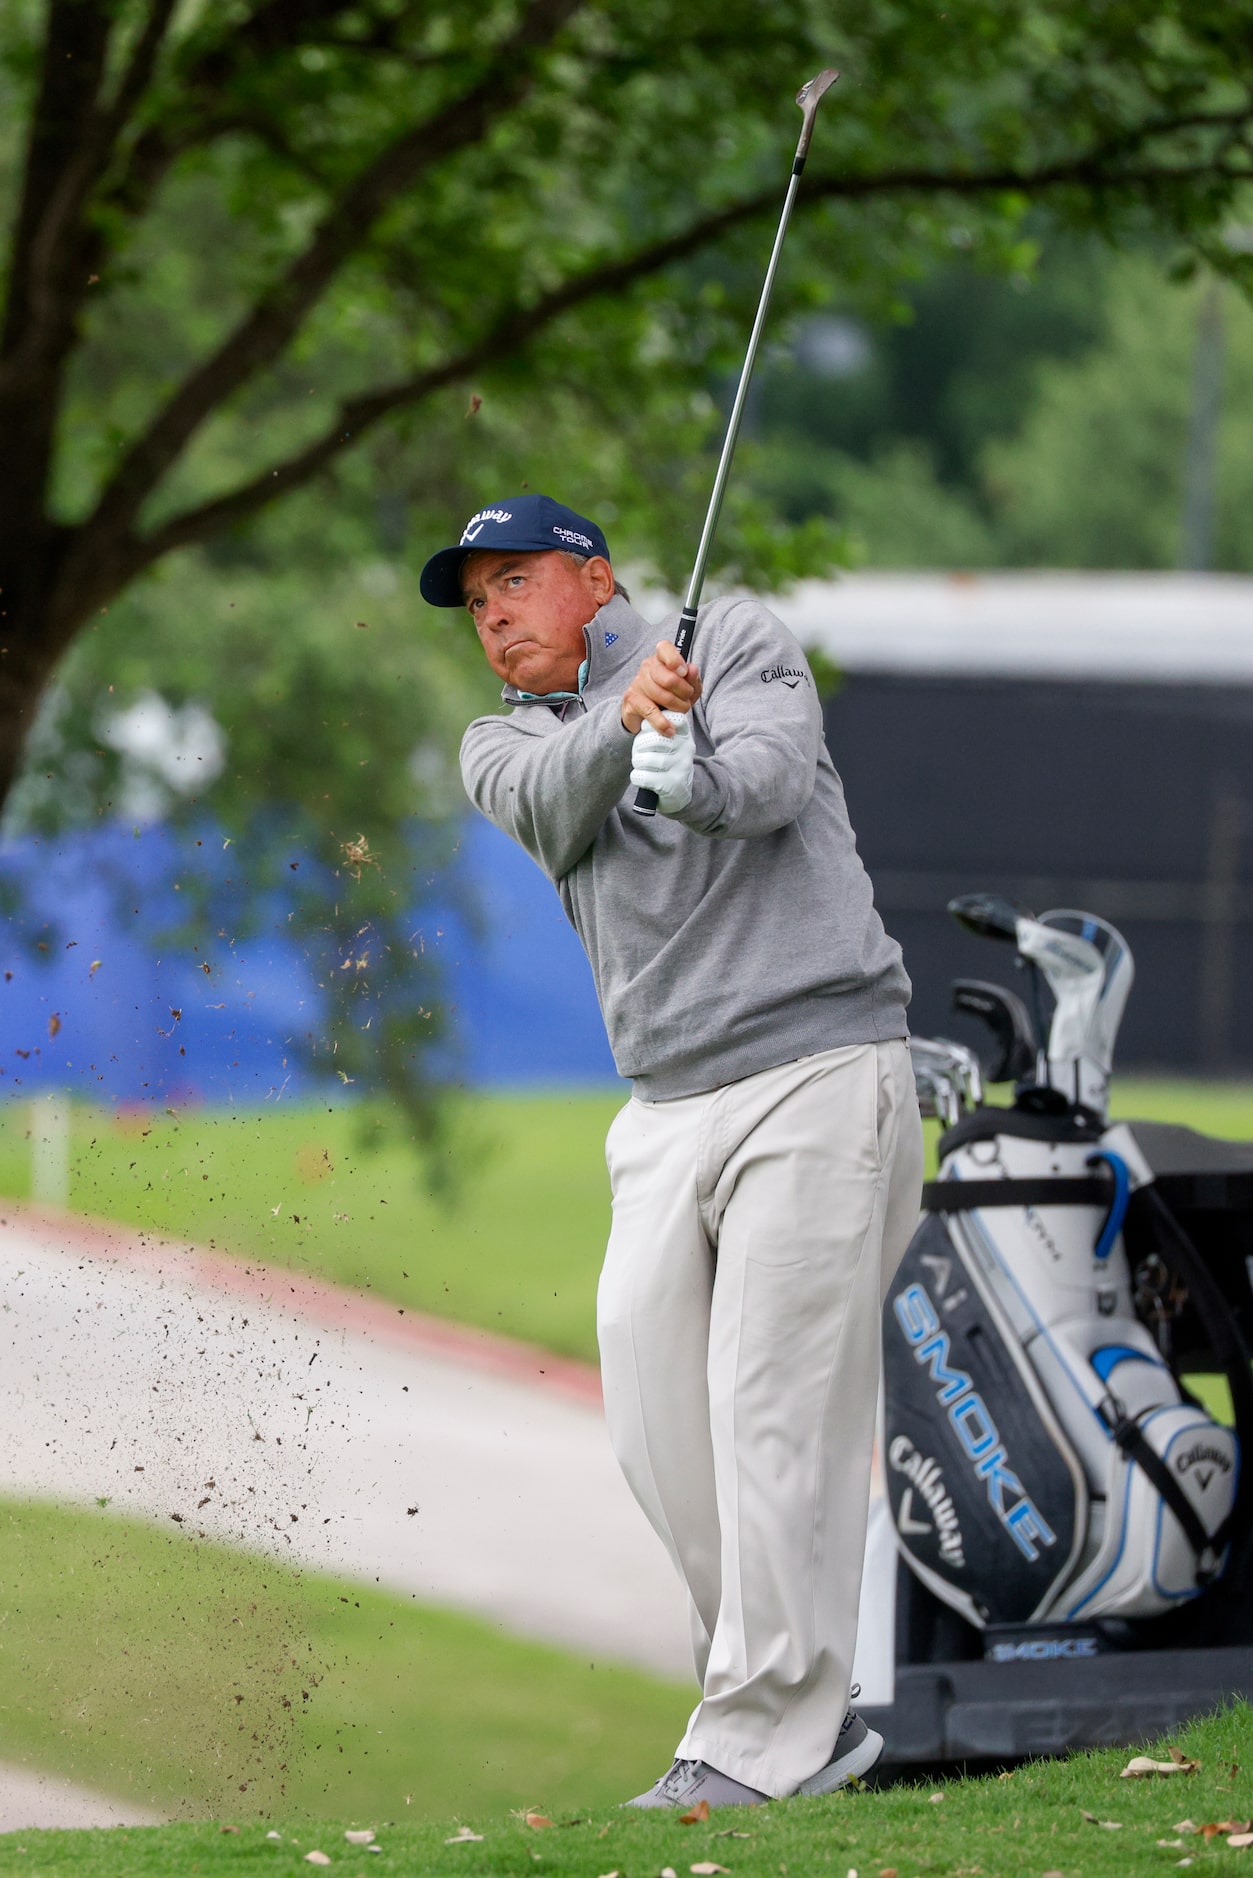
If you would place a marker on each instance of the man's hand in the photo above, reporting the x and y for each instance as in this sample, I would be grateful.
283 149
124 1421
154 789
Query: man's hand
664 682
664 764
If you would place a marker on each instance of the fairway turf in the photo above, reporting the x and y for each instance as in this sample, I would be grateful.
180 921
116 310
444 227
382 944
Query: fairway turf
191 1679
1030 1821
516 1247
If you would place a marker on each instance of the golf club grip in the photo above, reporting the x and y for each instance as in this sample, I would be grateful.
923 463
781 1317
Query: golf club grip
645 802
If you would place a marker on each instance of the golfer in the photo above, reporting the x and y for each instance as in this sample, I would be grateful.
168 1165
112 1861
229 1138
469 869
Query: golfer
767 1168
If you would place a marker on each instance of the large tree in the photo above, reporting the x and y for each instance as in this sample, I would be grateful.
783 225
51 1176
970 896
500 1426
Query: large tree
272 260
359 203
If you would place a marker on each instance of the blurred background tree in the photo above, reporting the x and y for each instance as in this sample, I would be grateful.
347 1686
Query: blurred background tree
294 285
1064 417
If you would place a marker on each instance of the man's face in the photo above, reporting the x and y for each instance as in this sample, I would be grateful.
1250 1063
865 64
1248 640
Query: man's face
529 611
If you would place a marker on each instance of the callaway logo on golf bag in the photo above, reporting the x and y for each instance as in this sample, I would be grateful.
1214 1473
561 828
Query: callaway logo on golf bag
926 1479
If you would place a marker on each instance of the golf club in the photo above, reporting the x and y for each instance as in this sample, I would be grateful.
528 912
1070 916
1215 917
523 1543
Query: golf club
808 97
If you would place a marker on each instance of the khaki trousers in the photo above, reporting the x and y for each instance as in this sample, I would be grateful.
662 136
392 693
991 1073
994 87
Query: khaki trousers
755 1230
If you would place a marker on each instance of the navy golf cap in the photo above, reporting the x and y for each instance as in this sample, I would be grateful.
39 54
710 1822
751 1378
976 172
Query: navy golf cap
529 524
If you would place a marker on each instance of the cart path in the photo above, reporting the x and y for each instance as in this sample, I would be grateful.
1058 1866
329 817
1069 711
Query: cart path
438 1462
31 1802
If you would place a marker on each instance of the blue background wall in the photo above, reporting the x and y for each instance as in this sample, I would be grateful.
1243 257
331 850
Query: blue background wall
517 979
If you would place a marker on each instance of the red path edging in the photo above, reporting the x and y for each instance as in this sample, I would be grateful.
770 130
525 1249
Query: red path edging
330 1307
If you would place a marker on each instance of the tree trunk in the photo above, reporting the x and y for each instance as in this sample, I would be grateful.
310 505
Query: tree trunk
37 624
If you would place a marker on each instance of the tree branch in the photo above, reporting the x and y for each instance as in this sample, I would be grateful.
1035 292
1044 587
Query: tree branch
273 32
265 332
358 415
39 314
56 250
74 51
137 77
53 265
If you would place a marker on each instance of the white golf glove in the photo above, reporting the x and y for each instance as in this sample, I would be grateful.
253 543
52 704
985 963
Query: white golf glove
664 764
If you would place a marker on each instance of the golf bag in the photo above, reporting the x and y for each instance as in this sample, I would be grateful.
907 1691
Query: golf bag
1045 1463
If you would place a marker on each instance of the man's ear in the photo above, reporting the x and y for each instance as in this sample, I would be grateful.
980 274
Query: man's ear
599 576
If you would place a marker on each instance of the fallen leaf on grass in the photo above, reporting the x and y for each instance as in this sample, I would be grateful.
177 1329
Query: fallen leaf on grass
1241 1839
668 1871
1110 1825
273 1835
317 1858
611 1874
729 1834
705 1868
463 1837
698 1815
537 1821
1051 1874
1142 1767
228 1828
1175 1845
1213 1827
935 1798
889 1871
1183 1825
364 1837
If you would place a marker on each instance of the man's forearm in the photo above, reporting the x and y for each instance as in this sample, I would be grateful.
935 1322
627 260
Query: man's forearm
552 793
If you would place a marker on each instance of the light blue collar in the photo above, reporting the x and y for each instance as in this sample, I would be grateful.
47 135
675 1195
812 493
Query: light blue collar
556 697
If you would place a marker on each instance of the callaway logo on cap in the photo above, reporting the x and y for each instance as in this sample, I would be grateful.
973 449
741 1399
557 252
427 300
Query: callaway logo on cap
529 524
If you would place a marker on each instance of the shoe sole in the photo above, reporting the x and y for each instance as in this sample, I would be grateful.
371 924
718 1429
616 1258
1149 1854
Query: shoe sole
851 1766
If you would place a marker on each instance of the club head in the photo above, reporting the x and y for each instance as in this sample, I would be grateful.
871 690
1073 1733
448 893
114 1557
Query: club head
989 915
809 97
813 88
1015 1045
947 1078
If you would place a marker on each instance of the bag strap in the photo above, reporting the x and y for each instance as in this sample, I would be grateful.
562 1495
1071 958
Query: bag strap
1127 1432
967 1196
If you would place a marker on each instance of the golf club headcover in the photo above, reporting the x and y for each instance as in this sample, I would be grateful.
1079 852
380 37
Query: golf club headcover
664 764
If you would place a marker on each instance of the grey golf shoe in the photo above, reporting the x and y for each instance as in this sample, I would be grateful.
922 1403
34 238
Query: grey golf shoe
687 1782
690 1781
856 1752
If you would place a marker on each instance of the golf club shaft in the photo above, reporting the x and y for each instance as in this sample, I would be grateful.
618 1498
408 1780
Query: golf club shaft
808 97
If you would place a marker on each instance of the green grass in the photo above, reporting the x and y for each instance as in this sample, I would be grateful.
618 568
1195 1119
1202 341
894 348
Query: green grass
1031 1821
516 1249
193 1679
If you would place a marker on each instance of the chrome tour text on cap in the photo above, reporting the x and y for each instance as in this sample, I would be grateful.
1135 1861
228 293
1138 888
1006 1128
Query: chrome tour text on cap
528 524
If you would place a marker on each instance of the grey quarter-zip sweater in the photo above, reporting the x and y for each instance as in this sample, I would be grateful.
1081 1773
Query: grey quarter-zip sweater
739 934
